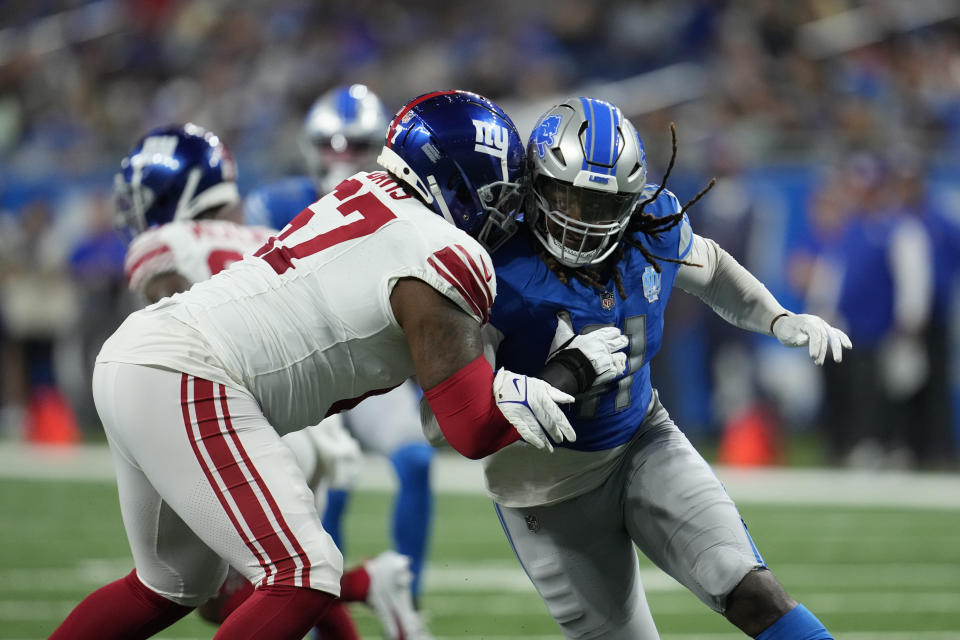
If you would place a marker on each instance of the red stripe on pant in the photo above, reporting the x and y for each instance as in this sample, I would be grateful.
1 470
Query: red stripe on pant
291 539
193 437
235 482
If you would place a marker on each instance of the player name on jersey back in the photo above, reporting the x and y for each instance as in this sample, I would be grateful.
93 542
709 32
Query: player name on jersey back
195 249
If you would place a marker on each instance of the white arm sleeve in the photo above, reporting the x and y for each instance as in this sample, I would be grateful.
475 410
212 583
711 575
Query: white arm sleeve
728 288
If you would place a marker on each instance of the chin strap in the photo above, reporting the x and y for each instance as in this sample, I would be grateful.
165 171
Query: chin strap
438 196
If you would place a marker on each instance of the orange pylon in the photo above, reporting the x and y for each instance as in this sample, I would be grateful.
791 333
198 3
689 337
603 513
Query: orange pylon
50 420
750 439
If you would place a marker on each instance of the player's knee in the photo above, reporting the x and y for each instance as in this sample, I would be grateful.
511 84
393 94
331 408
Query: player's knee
211 611
560 597
757 601
412 462
187 589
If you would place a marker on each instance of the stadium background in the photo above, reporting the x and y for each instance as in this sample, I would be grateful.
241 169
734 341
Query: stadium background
791 105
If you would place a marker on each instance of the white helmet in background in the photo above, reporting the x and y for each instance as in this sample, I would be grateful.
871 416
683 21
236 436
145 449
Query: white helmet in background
342 134
587 169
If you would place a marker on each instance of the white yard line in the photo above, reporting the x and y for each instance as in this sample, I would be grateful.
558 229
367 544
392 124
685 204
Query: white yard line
453 474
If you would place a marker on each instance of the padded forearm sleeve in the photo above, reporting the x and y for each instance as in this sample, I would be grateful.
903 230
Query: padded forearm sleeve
570 371
727 287
467 412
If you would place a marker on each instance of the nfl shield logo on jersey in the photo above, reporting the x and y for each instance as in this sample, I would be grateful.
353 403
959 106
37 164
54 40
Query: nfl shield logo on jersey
651 284
532 523
607 300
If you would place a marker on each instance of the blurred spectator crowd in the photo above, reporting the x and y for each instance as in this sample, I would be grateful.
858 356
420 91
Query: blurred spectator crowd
832 125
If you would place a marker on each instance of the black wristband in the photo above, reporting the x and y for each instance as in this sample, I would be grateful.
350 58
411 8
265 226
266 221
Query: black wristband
570 371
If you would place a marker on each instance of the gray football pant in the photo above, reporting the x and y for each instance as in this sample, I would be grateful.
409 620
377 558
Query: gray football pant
664 498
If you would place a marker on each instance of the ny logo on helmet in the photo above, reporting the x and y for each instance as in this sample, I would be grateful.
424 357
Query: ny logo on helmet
491 138
158 149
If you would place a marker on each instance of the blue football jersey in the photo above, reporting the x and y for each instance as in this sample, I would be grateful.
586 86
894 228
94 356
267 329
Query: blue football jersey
529 296
275 204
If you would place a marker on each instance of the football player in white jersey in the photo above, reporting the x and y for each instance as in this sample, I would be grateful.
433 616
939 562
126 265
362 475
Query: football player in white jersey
342 134
386 277
184 243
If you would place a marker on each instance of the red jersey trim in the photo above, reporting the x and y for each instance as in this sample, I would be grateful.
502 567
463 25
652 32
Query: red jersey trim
465 278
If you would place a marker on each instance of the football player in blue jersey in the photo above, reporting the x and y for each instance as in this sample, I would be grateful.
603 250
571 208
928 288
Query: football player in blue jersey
602 247
342 134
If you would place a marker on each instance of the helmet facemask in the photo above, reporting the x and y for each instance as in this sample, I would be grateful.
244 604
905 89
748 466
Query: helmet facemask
129 208
501 201
333 159
578 226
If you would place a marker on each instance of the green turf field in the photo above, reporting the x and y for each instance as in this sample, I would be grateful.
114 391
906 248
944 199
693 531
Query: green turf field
879 573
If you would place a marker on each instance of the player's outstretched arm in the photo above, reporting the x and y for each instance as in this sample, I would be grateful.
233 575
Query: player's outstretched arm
459 383
738 297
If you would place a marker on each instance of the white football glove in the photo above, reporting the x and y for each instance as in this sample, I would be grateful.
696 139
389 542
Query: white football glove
806 329
530 405
602 347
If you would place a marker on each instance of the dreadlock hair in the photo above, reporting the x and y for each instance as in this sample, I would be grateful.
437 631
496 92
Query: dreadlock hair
640 221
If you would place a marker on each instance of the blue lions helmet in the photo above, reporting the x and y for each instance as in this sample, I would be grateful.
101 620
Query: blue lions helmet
173 173
342 134
463 157
587 169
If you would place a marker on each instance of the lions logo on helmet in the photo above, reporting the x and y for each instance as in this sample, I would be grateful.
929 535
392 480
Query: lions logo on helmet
463 157
173 173
543 135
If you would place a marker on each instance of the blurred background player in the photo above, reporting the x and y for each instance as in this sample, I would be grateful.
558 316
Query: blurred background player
342 134
176 196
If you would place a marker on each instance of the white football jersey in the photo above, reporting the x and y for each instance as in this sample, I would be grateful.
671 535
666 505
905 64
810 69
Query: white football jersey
195 249
305 324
